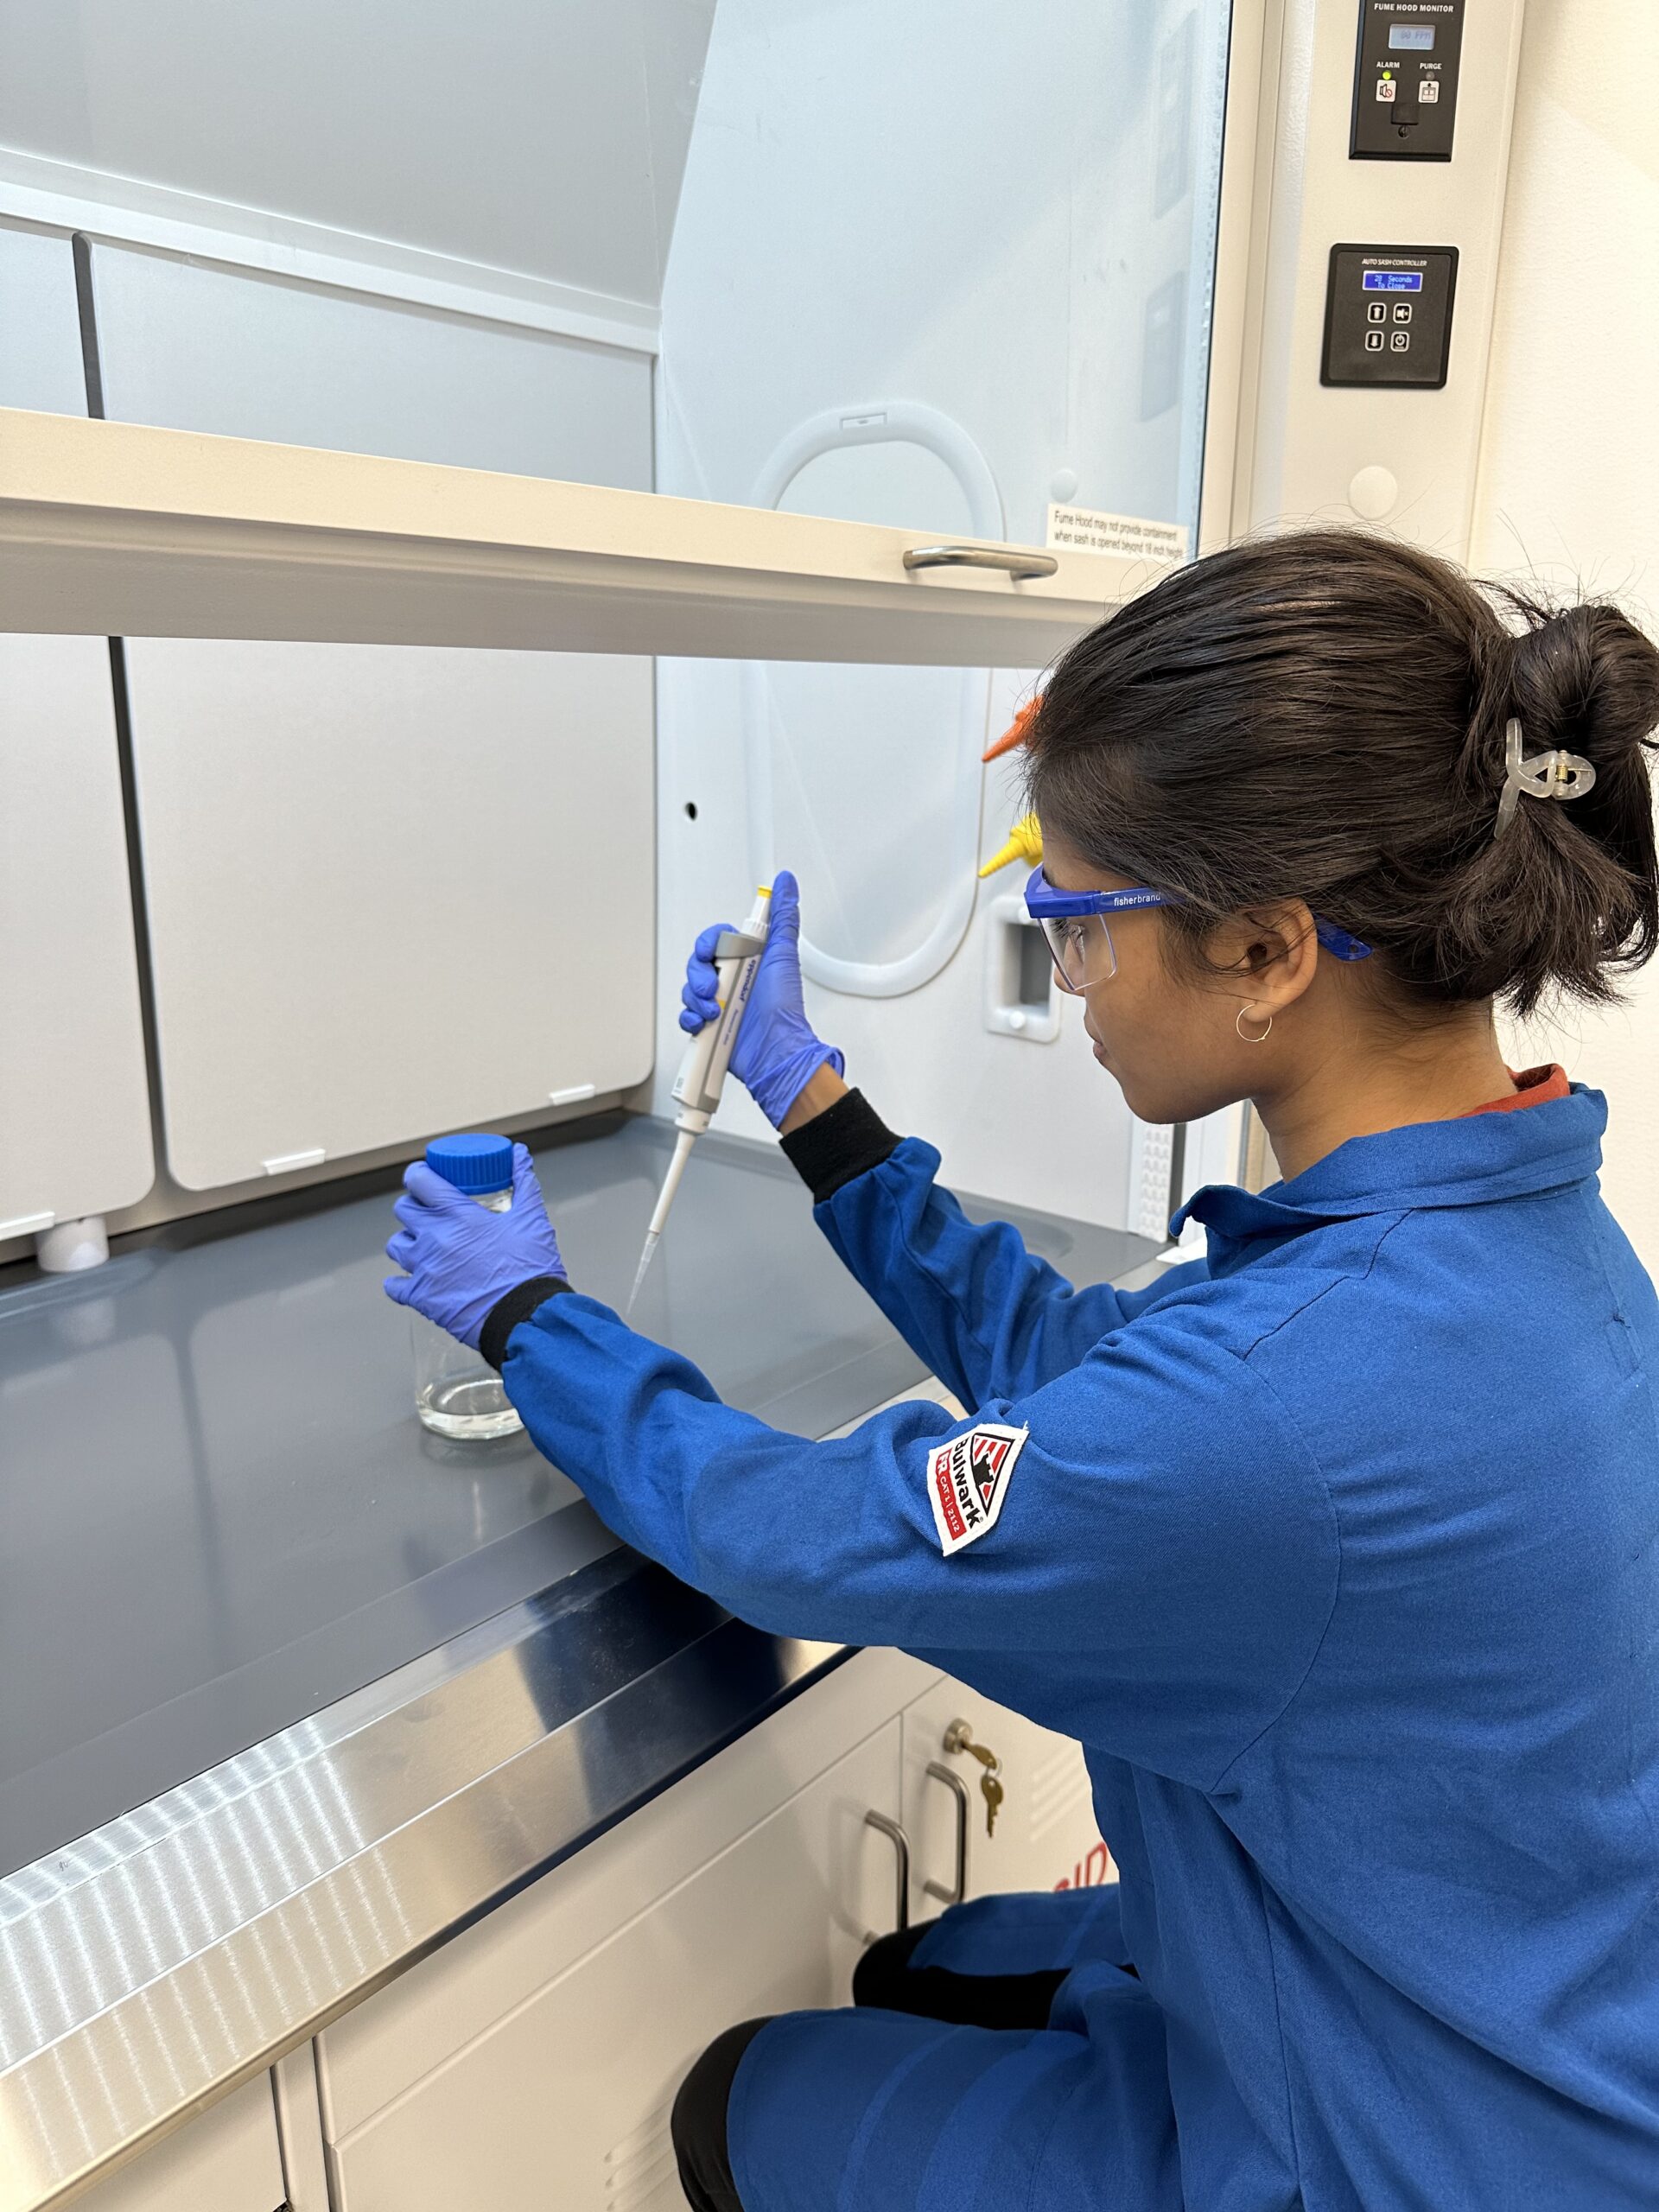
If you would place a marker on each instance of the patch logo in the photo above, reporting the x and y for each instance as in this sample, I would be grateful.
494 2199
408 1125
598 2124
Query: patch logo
968 1480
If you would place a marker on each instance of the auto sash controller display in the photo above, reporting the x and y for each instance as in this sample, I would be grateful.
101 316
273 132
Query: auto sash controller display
1387 315
1406 81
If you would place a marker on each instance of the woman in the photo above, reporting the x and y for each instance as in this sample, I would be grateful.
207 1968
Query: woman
1339 1549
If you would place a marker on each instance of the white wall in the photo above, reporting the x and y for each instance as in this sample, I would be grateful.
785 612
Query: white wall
1568 488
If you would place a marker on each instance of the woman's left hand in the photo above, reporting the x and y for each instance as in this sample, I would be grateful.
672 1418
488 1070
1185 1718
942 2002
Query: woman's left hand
461 1258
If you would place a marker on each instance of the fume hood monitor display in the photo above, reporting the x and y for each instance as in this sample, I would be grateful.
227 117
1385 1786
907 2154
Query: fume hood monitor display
1406 81
1387 315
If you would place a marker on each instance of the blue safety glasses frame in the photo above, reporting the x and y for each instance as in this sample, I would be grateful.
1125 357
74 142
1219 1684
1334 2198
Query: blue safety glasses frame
1080 939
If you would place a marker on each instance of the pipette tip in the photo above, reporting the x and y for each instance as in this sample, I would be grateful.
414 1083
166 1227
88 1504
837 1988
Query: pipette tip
652 1239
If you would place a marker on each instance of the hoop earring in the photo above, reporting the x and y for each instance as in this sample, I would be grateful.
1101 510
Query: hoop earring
1238 1024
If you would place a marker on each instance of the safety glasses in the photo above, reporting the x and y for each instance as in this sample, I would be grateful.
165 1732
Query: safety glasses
1080 939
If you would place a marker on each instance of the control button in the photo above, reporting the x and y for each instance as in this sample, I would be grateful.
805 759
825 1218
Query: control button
1373 341
1386 88
1377 311
1403 310
1400 341
1428 90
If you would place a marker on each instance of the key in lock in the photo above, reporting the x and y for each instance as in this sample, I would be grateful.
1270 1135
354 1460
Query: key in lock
959 1736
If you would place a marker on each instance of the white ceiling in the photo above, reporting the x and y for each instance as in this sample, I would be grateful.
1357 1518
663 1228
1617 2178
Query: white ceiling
545 138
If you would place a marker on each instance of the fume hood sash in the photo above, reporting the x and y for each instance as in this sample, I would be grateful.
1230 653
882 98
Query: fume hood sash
120 530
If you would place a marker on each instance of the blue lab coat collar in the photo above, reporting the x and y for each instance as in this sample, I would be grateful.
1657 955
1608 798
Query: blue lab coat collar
1474 1162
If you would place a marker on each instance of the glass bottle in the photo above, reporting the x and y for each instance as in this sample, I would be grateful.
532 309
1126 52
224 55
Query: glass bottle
457 1392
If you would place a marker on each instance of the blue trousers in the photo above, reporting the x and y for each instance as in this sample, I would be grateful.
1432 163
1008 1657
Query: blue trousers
881 2111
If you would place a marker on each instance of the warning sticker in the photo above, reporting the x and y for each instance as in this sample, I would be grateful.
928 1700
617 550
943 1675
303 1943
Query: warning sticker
968 1480
1086 530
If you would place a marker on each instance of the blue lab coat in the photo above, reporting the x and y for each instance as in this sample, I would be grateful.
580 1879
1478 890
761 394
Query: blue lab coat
1340 1554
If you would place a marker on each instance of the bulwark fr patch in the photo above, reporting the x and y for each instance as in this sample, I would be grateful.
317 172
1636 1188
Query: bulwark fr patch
968 1480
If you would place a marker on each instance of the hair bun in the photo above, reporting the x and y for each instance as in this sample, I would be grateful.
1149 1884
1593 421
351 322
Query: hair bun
1585 679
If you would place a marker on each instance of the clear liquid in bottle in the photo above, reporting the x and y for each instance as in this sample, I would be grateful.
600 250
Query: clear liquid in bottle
457 1393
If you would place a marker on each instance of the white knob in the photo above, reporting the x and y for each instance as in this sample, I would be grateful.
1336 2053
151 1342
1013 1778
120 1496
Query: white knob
1373 493
1016 1022
69 1246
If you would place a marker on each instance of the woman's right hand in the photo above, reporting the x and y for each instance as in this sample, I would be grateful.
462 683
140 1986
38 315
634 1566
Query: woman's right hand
777 1052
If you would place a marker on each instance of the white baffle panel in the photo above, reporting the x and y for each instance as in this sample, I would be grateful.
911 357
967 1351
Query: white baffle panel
391 890
384 895
74 1110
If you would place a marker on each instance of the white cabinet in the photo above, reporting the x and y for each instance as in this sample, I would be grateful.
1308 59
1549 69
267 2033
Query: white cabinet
193 345
74 1099
567 2099
551 2036
391 892
40 331
536 2058
1046 1836
74 1102
226 2161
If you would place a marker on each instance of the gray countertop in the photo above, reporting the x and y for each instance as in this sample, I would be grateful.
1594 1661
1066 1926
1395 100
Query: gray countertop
218 1515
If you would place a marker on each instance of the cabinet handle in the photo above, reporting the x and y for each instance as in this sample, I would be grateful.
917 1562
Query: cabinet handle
1016 562
958 1788
900 1843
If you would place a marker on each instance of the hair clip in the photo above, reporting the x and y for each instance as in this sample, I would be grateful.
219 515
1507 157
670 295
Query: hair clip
1539 775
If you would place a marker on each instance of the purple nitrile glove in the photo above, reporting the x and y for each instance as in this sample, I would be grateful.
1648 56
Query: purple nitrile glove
461 1258
777 1053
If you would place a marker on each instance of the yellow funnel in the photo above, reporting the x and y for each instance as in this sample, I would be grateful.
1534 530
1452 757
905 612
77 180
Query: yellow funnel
1025 843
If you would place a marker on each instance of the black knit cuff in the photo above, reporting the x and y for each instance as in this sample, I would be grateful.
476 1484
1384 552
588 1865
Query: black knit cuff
847 1139
507 1312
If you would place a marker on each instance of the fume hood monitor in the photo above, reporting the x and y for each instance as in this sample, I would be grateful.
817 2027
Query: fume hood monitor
1406 81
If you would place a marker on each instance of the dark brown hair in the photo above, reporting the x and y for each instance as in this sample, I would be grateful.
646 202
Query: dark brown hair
1322 715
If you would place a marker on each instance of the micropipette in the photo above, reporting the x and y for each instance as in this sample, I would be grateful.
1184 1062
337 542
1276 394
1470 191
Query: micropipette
702 1072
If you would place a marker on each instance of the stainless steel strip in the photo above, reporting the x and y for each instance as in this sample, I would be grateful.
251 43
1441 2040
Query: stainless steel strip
175 1954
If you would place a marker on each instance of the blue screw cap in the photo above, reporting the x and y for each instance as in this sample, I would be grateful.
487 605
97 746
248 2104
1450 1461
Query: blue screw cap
475 1163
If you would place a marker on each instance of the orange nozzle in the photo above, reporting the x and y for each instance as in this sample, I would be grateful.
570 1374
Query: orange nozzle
1015 732
1025 843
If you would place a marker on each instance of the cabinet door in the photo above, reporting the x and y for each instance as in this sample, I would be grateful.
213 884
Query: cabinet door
1046 1836
74 1095
566 2100
226 2161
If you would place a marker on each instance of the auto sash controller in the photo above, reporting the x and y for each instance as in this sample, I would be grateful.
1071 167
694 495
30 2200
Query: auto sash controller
1387 315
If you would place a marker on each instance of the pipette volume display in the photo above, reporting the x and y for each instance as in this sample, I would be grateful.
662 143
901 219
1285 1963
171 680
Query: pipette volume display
702 1078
